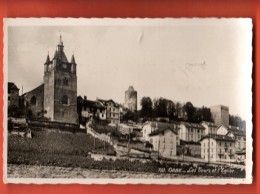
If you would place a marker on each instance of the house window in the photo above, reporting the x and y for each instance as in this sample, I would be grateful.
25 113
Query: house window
65 100
33 100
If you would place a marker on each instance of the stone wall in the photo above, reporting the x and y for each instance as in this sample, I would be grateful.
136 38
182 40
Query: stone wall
35 100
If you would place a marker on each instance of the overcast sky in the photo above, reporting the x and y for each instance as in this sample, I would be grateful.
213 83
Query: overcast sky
204 61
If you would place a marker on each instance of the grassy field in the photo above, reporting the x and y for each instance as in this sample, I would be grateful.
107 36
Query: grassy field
54 149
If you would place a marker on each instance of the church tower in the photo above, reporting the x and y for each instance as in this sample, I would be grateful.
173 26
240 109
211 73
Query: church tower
60 87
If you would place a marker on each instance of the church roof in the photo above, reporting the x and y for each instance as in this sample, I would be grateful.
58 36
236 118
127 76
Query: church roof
60 55
11 86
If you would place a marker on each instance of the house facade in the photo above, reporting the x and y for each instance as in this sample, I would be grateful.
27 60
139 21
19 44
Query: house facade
210 127
151 126
191 132
164 141
238 134
219 148
112 111
92 109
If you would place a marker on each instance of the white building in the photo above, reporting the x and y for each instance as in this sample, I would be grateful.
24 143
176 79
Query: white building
164 141
191 132
210 128
219 148
150 126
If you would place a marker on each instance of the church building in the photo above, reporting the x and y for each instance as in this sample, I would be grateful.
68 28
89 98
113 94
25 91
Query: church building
56 99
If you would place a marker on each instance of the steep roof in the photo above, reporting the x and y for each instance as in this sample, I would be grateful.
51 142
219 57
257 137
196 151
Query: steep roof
39 88
105 102
60 55
182 142
163 125
235 130
193 125
12 86
159 131
210 124
94 104
219 138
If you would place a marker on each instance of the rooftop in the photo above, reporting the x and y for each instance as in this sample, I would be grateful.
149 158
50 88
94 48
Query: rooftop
219 138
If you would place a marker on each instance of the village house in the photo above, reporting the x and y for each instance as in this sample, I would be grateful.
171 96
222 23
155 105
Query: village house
235 132
125 128
164 141
151 126
112 111
13 94
92 109
219 148
210 127
191 132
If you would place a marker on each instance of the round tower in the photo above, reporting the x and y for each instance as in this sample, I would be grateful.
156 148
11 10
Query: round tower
131 99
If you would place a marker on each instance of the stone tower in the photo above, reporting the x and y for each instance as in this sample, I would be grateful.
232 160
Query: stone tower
220 114
131 99
60 87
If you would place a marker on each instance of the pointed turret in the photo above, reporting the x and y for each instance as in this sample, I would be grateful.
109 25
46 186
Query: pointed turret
73 64
73 59
46 64
48 59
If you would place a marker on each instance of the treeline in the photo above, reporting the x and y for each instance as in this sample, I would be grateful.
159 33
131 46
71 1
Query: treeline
165 108
237 121
162 107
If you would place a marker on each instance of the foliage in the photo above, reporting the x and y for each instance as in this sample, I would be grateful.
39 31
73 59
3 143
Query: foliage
147 107
237 121
14 111
130 115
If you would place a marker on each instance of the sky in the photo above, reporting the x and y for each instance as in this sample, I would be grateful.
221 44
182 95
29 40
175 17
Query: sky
204 61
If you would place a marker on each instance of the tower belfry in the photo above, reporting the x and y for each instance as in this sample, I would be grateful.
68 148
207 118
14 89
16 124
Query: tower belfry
60 87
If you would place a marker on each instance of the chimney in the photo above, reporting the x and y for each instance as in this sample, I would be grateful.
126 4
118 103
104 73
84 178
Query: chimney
85 97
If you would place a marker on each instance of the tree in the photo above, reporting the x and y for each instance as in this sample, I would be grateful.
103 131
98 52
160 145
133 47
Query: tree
178 110
237 121
190 110
147 107
160 107
129 115
171 109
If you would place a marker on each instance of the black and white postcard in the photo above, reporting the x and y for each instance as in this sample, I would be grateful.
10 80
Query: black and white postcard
151 101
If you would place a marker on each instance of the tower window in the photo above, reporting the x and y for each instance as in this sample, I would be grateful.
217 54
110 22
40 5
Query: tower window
65 81
33 100
58 81
65 100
